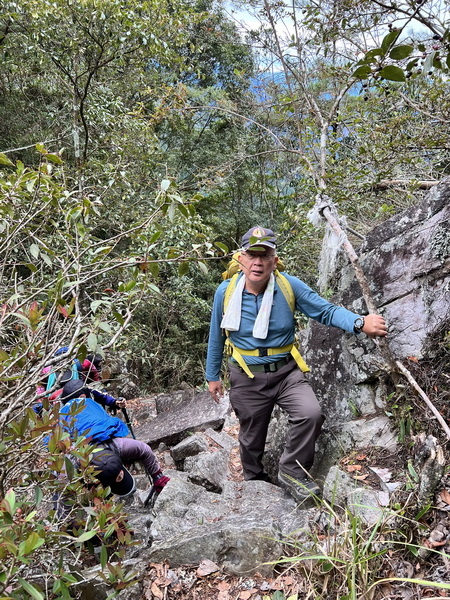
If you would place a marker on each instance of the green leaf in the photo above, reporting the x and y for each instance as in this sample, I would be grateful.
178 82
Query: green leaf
30 266
221 247
9 502
373 54
165 184
130 285
400 52
80 228
23 318
92 341
183 268
155 237
105 327
362 72
54 158
392 73
118 317
46 258
427 582
95 304
154 288
30 516
428 64
87 535
31 590
32 542
103 556
69 468
183 210
389 39
103 250
174 252
413 472
171 212
74 213
203 268
82 349
412 63
34 249
153 267
38 495
4 160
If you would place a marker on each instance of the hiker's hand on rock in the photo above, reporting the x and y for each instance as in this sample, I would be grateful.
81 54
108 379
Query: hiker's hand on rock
374 326
121 403
216 390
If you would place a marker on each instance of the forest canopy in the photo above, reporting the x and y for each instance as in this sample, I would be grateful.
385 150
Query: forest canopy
139 141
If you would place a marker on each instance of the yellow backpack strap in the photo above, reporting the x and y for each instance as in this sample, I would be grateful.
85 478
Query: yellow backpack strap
286 288
229 291
233 266
299 358
229 346
232 351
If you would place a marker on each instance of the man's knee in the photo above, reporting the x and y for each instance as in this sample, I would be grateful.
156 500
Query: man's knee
311 415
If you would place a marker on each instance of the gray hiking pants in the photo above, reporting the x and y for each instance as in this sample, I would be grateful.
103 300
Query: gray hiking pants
131 450
253 401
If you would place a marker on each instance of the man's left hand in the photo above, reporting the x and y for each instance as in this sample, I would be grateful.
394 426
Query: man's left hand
121 403
374 326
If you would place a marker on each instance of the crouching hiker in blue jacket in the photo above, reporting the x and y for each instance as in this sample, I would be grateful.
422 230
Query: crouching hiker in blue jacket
80 415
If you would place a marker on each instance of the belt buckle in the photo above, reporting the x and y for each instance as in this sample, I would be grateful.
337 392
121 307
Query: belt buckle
262 351
271 367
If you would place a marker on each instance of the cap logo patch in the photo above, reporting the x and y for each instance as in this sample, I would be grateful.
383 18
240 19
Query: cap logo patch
258 232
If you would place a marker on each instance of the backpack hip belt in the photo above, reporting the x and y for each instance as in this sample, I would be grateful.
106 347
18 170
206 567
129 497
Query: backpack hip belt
238 353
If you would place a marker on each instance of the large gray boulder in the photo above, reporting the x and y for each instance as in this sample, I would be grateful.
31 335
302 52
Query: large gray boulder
243 529
190 446
197 413
208 469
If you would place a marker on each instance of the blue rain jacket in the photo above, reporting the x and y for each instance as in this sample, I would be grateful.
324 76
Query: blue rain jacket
92 421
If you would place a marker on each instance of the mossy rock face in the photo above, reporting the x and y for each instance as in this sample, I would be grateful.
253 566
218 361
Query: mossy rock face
440 242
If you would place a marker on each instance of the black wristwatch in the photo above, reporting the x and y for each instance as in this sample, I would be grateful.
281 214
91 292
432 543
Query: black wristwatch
358 325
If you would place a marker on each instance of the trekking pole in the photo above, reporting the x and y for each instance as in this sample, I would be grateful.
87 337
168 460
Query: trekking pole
152 495
152 491
127 420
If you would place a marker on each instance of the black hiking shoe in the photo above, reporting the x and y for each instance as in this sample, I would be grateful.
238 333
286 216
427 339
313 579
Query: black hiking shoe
261 477
300 488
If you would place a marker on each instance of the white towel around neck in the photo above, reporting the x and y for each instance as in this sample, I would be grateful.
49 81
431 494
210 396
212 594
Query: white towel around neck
231 320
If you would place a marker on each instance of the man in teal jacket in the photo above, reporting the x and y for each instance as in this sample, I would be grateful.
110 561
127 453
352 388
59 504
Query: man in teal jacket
261 330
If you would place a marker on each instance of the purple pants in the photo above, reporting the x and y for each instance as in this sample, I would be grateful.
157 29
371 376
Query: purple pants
131 450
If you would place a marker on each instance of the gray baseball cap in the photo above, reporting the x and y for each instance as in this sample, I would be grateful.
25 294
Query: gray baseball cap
258 236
